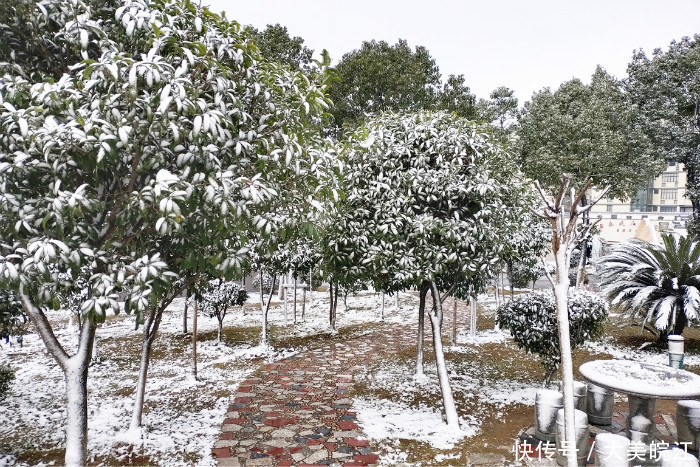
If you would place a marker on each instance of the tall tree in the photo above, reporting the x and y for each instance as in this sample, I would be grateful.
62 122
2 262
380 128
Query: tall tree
455 96
277 45
424 208
666 88
140 141
501 111
380 77
563 217
586 131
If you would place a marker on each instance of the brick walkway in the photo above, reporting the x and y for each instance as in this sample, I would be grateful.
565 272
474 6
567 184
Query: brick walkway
296 412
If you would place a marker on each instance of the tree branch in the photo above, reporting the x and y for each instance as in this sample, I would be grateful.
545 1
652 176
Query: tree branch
546 273
544 197
44 328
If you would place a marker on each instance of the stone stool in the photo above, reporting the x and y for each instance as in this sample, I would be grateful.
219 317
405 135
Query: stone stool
677 457
547 403
688 423
611 450
599 405
582 433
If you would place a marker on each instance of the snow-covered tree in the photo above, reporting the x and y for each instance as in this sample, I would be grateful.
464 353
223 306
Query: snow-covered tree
659 282
666 89
141 138
219 296
525 249
424 208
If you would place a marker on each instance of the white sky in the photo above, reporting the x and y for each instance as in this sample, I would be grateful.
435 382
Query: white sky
525 45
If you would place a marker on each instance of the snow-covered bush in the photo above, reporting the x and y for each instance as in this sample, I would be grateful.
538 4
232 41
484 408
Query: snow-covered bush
7 374
266 282
219 296
525 273
12 318
531 320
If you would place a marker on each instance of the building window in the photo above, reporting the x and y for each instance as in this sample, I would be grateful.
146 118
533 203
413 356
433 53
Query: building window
670 177
668 209
672 163
609 207
669 194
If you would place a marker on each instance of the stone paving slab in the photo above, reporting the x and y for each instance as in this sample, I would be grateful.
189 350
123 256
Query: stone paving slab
296 411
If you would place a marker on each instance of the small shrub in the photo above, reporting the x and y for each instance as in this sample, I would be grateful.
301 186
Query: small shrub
532 321
266 284
526 273
7 374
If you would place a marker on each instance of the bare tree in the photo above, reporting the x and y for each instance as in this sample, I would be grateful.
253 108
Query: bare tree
565 237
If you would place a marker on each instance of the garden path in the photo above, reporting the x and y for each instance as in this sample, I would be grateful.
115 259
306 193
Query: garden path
296 411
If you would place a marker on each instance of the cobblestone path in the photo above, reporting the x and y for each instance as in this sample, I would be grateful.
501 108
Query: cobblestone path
296 411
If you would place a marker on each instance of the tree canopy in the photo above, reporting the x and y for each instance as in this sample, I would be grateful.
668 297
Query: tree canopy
277 45
666 89
586 131
380 77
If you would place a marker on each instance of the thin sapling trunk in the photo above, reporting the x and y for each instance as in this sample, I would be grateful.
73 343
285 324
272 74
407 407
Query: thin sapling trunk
447 397
421 328
265 307
184 313
194 341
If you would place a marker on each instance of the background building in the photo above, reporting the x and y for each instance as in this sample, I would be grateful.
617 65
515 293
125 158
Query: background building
662 201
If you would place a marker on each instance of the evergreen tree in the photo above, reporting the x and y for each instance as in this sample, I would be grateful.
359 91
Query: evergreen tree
145 141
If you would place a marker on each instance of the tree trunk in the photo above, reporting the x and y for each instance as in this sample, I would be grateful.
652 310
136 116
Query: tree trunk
334 303
454 320
150 328
311 289
583 247
382 306
472 316
303 303
265 308
75 371
561 290
447 398
421 326
95 355
184 313
281 293
218 333
509 266
295 299
194 341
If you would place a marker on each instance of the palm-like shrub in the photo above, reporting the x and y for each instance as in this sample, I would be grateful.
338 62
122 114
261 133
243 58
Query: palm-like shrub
657 282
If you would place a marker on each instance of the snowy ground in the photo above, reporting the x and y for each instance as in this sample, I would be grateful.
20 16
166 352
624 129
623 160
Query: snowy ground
183 416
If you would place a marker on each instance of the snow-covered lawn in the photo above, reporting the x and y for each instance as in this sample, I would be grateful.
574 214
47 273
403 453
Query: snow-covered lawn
183 416
493 381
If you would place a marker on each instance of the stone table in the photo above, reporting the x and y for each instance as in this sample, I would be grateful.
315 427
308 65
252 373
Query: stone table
643 383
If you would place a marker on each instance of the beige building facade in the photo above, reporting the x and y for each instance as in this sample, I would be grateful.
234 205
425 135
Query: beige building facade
662 201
